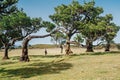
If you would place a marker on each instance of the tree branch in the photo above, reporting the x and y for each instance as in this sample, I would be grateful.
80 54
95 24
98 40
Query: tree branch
41 36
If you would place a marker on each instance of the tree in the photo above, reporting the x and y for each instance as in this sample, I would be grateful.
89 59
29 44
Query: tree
94 26
33 26
24 56
15 27
78 39
97 26
111 31
50 28
93 32
9 31
6 7
69 18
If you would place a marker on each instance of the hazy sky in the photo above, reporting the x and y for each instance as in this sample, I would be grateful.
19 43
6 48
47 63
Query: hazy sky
44 8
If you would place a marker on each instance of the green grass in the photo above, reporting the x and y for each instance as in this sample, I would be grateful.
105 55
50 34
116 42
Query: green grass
95 66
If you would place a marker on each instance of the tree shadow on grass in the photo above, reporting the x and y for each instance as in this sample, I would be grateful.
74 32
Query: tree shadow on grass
97 53
103 53
47 56
37 69
37 56
6 63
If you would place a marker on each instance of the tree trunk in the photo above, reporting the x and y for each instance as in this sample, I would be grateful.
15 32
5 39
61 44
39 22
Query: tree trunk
68 49
89 45
107 47
56 44
6 52
24 56
61 46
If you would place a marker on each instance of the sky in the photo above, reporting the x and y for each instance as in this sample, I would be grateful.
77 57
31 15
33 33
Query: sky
44 8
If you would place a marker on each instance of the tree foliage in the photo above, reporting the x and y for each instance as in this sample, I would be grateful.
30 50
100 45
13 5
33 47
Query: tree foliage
111 31
17 26
95 25
7 7
69 19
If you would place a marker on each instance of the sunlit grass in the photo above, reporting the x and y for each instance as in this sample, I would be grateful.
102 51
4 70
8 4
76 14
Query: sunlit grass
87 66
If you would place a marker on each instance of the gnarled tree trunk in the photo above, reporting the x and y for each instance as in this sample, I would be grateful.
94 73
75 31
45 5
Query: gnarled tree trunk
107 47
24 56
68 49
7 45
6 51
89 46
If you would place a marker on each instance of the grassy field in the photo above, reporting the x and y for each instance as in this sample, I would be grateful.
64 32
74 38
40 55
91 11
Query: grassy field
57 66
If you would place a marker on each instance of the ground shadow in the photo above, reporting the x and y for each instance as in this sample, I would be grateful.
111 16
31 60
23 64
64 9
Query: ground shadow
7 63
37 56
47 56
103 53
36 69
97 53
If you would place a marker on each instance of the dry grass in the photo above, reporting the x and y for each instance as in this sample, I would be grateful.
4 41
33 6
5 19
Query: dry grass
51 51
55 66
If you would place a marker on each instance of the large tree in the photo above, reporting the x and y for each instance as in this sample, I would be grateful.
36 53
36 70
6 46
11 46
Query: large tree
49 28
69 18
8 32
7 7
94 24
17 26
93 32
111 31
97 26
